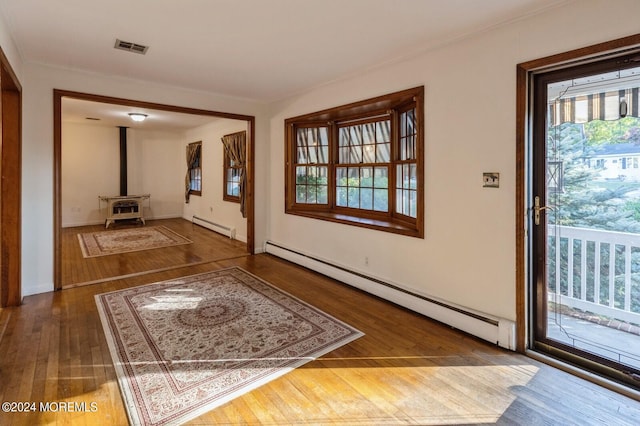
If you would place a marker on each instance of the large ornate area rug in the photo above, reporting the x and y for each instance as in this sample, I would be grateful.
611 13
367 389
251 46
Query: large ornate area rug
185 346
103 243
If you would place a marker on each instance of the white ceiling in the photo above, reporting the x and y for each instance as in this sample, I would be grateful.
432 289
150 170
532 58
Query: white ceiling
112 115
263 50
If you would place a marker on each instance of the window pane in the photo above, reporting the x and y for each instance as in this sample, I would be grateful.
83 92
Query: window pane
411 148
323 154
369 133
311 185
366 198
344 137
413 176
312 145
302 144
355 154
381 200
353 197
323 197
383 153
413 204
301 174
341 196
302 155
341 176
399 200
408 135
369 154
321 173
381 177
195 180
301 140
406 202
313 154
344 155
383 131
233 189
311 194
411 122
301 193
366 177
355 132
405 176
323 136
354 176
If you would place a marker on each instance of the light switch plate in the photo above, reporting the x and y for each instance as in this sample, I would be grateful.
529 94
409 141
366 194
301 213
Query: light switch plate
490 180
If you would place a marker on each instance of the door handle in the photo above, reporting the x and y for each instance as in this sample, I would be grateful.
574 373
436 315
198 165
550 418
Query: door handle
537 208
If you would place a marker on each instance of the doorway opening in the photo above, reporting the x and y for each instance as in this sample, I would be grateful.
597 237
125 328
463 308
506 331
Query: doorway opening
582 218
60 95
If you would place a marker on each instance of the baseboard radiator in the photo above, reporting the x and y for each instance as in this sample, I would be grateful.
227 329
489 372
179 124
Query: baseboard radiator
487 327
216 227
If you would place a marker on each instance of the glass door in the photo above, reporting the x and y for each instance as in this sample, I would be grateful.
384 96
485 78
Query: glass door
585 217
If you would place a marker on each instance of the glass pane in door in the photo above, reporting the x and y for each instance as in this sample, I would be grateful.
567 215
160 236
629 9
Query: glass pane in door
591 204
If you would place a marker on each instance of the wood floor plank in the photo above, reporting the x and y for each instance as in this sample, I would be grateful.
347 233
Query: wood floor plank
407 369
206 246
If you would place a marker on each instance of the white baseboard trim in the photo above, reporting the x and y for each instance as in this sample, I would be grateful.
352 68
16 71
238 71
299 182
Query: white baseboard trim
496 330
222 229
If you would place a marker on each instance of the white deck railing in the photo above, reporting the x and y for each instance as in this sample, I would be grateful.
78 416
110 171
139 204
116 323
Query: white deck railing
620 247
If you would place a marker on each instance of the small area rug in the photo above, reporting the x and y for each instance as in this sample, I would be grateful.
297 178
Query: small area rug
103 243
185 346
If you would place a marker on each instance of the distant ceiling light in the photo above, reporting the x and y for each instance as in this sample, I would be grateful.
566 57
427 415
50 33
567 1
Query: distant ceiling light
136 116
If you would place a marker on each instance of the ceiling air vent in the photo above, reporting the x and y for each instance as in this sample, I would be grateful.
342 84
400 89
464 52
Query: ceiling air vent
131 47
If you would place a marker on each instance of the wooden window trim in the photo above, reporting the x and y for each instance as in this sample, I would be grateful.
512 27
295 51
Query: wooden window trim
356 113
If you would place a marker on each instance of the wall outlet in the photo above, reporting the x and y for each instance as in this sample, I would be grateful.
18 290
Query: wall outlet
490 180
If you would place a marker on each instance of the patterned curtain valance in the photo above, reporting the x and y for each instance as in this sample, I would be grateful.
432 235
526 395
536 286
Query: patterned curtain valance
599 106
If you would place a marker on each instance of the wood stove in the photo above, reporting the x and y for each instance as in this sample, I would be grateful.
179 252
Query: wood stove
124 207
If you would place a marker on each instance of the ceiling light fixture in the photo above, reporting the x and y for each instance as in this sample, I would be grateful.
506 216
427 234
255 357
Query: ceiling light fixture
137 116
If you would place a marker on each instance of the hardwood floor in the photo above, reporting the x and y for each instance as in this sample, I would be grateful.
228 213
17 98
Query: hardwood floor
207 246
407 369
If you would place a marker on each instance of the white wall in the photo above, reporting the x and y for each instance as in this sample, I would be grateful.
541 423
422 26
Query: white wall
90 167
210 205
9 48
468 255
37 152
155 167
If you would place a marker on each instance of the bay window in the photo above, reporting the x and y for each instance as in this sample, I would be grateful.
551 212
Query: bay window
360 164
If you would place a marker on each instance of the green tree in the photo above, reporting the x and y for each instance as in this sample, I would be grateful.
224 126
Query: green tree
580 203
599 132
